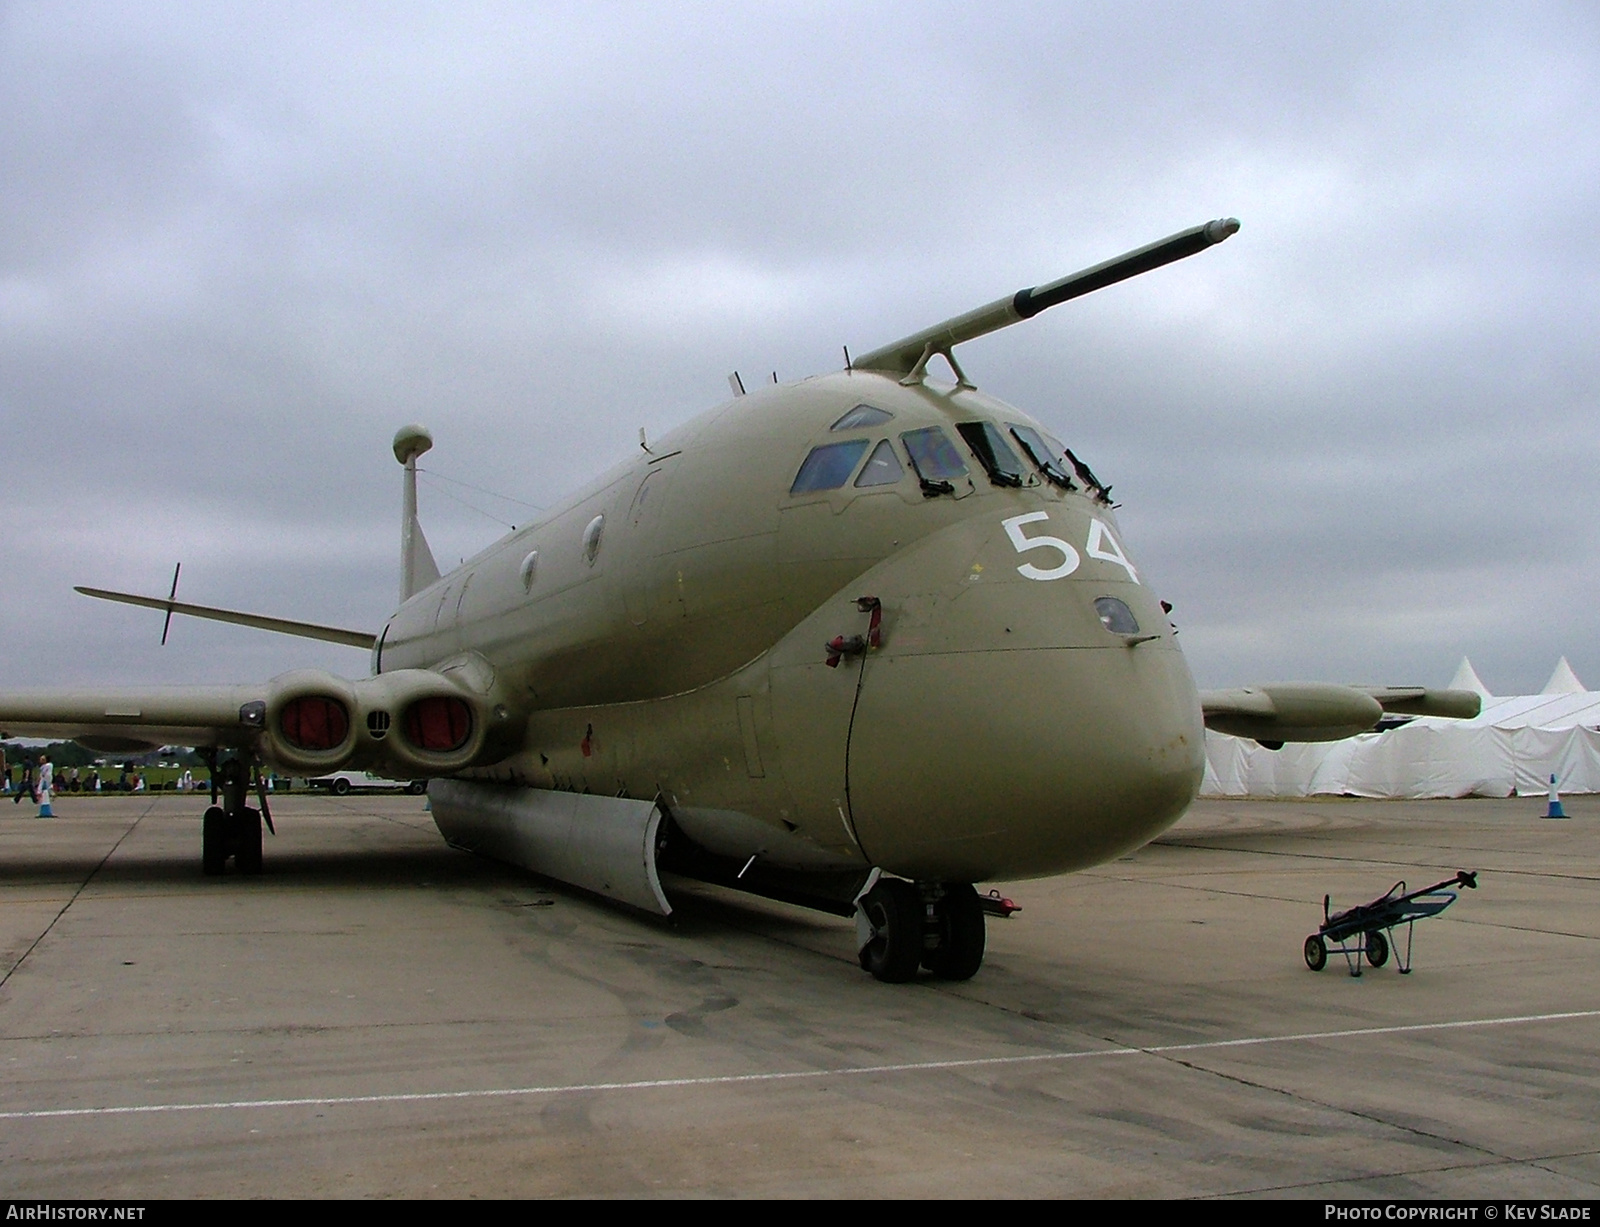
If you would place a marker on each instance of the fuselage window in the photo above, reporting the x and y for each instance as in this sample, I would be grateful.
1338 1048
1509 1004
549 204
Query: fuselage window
883 467
993 452
828 467
933 455
1045 452
861 417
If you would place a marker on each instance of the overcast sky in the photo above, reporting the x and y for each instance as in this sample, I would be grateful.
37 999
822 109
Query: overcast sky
240 245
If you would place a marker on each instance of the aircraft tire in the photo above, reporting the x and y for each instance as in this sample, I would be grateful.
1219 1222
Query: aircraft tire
1377 949
962 934
214 842
247 856
341 786
1316 952
417 787
894 909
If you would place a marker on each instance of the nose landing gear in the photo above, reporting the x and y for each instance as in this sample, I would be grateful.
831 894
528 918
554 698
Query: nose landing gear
901 926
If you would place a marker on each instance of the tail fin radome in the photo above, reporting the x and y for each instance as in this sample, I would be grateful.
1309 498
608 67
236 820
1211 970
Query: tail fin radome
417 567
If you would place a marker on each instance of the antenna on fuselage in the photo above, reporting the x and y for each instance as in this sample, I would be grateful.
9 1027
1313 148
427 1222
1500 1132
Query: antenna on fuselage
908 357
417 567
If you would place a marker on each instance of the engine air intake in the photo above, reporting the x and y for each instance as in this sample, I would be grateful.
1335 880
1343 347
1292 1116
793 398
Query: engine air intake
438 724
314 723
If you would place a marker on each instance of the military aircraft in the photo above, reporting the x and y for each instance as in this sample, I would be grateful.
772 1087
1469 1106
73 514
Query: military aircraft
855 642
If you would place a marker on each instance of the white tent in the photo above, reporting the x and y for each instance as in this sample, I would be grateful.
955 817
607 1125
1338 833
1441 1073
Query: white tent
1512 747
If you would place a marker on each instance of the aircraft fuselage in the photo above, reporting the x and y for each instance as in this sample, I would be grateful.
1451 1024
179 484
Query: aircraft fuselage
665 633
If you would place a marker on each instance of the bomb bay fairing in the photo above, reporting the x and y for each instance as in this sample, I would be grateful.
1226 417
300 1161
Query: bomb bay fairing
857 642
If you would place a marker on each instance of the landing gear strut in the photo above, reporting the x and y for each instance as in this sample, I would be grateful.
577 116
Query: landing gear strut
902 926
232 828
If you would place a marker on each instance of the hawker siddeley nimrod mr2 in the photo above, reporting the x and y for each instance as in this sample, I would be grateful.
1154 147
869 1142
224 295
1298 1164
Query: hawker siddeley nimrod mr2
856 642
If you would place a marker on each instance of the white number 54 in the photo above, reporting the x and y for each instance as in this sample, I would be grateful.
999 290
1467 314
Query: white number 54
1069 556
1101 545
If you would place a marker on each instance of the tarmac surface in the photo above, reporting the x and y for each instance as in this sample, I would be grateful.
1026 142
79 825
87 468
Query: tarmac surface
378 1015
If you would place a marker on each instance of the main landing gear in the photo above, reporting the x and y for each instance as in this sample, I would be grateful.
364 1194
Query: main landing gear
232 829
901 926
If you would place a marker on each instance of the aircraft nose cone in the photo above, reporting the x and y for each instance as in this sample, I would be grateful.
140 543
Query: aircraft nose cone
970 766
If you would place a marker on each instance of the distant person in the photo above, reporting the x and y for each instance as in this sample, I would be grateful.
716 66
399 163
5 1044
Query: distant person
27 783
92 784
47 779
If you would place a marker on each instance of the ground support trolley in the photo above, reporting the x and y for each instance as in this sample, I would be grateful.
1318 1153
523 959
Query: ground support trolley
1367 930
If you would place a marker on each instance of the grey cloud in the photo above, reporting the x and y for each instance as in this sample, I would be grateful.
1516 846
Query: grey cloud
237 248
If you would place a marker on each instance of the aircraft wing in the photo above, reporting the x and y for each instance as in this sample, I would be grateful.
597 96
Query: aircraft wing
407 723
138 718
1318 711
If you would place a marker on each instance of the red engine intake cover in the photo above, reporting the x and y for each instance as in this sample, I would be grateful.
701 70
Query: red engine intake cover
314 723
438 724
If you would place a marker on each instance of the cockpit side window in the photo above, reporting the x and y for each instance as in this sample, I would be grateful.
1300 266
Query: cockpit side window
933 455
828 467
883 467
1086 475
1046 452
993 452
861 417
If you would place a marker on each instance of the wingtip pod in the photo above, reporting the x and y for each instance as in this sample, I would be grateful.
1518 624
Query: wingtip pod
1222 228
1290 711
1420 701
1320 711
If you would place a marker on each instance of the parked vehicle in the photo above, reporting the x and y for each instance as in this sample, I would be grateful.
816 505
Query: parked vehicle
341 783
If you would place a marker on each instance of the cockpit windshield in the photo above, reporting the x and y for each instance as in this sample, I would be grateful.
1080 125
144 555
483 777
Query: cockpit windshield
935 459
883 467
933 455
993 452
1046 452
828 467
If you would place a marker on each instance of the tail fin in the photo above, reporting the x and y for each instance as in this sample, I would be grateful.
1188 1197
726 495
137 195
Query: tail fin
417 567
